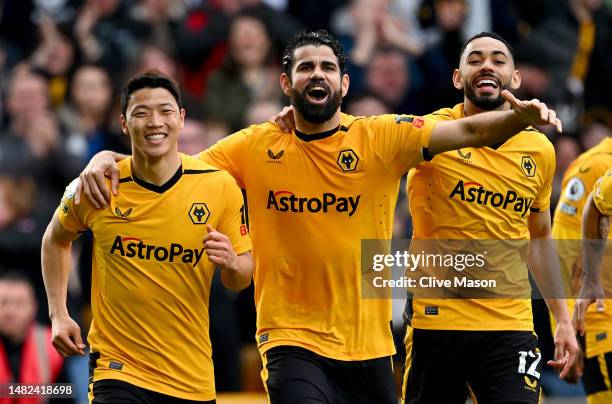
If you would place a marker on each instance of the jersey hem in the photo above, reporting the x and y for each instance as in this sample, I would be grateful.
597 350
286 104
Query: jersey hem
346 357
152 387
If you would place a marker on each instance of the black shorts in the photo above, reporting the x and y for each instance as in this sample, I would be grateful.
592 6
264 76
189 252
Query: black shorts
493 366
294 375
120 392
596 376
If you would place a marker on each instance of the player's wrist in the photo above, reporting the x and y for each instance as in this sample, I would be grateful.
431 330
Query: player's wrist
57 314
233 264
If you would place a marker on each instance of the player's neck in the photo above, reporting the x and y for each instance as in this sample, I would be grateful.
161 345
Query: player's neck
310 128
155 170
470 109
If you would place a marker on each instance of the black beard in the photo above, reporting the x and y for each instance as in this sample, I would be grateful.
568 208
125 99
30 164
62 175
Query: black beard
315 113
485 103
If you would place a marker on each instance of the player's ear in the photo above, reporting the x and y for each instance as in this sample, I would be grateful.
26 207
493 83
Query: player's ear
285 83
515 82
182 118
345 84
457 80
124 127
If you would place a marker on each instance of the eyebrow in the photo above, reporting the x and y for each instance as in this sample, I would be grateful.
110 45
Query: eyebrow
165 104
311 63
480 53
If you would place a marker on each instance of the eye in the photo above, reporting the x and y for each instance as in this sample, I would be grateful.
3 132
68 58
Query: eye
139 114
473 62
500 62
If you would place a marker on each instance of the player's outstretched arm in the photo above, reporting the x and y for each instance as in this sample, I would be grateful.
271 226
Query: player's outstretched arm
546 269
492 127
595 228
92 181
236 270
56 266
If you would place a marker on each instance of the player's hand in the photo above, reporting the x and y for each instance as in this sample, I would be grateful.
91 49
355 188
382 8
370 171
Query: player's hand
533 112
566 348
590 292
284 119
219 249
575 373
92 180
66 336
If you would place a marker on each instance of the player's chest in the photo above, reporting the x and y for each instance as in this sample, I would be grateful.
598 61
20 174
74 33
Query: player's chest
341 166
509 181
162 227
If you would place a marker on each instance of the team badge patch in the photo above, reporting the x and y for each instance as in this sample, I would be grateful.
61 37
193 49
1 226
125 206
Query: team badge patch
347 160
199 213
528 166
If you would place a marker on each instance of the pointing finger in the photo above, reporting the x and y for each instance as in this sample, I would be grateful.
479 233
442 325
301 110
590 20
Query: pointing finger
508 96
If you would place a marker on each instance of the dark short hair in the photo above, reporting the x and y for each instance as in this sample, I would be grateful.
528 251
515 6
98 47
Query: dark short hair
316 38
149 79
493 35
12 275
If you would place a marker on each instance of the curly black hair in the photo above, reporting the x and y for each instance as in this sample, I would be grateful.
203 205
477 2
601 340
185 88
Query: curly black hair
316 38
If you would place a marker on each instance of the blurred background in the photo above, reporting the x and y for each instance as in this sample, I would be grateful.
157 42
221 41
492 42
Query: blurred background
62 63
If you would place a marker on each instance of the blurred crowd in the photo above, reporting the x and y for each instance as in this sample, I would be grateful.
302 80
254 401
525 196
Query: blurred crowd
62 63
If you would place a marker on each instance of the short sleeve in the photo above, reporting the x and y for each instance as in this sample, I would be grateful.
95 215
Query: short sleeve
75 218
542 200
234 222
399 140
602 194
230 154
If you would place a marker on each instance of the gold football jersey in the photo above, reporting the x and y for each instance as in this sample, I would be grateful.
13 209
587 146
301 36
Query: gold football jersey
602 195
151 276
481 194
578 183
312 199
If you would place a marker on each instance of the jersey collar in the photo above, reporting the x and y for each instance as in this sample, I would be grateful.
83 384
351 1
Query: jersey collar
160 188
321 135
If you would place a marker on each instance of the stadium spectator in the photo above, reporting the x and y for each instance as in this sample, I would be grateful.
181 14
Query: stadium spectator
26 353
442 23
162 18
202 37
194 138
364 25
107 35
594 133
260 111
388 77
248 74
56 58
583 27
87 115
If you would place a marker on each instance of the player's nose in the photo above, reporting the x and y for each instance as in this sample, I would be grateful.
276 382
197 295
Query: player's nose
154 120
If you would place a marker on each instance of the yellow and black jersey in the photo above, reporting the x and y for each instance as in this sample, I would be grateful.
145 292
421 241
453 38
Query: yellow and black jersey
151 276
485 194
312 199
602 195
578 183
